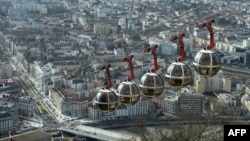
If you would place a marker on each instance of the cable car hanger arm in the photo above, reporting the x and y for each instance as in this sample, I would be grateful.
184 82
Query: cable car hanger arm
179 37
208 24
108 74
129 60
153 51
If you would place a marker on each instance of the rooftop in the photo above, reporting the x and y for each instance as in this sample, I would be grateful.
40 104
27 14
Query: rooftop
69 94
6 105
26 99
4 114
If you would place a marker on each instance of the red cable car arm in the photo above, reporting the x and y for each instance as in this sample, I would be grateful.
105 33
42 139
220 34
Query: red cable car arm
208 24
129 60
181 43
109 76
153 50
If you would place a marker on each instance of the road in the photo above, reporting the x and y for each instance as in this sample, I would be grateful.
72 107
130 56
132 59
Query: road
26 83
54 116
104 134
236 69
100 134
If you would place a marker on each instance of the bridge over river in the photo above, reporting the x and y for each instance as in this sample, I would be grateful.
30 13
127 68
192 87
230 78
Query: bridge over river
99 134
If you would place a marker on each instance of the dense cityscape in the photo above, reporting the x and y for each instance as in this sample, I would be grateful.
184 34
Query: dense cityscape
52 52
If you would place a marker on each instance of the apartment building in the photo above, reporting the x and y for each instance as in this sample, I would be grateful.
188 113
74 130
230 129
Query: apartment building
215 83
104 29
93 112
170 105
6 123
10 108
138 109
26 106
190 104
229 104
5 70
68 102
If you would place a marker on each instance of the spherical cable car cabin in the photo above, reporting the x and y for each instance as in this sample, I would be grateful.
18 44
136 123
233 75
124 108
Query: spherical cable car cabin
178 73
106 99
151 83
128 92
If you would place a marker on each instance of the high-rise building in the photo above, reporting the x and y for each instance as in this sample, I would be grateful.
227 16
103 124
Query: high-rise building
170 106
215 83
6 123
190 104
10 108
140 108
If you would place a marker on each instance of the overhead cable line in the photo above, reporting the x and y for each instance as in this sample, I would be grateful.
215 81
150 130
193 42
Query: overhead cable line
177 29
198 7
181 15
156 26
143 41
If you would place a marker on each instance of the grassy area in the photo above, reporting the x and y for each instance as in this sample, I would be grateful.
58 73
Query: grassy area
27 88
29 91
42 108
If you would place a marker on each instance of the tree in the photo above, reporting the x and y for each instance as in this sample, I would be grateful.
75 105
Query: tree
183 129
138 126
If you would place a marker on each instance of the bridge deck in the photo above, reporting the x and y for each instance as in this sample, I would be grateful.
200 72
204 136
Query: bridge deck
100 134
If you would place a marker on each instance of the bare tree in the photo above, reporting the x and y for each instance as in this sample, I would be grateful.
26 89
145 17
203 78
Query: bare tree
186 128
190 127
138 126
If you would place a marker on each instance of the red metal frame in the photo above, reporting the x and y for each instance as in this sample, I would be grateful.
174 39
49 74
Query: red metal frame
153 51
208 24
181 43
109 76
129 60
